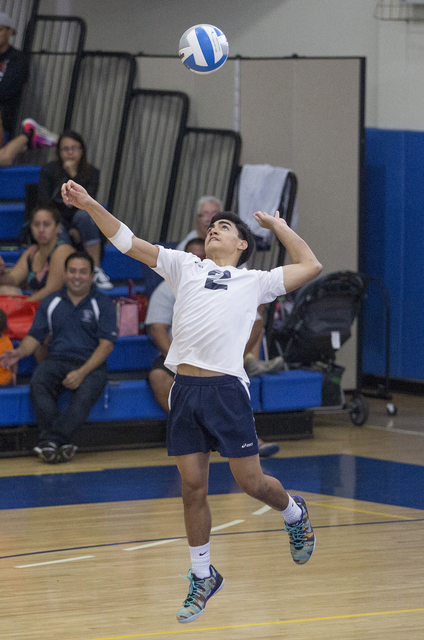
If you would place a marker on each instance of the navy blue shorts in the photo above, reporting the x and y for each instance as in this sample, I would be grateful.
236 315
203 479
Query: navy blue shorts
211 414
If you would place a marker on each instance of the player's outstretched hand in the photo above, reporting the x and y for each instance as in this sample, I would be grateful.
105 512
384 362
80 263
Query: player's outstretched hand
74 194
266 221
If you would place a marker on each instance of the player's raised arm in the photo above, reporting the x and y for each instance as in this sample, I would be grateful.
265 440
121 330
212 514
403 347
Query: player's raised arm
305 266
116 232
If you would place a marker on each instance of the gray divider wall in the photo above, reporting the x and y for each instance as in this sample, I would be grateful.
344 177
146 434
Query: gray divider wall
207 166
155 127
55 47
99 108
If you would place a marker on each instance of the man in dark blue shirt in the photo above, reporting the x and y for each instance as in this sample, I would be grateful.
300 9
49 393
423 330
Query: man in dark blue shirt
81 323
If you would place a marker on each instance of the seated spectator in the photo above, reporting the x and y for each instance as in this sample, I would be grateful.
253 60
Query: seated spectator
41 268
206 207
72 163
253 365
81 322
6 375
158 323
34 136
14 69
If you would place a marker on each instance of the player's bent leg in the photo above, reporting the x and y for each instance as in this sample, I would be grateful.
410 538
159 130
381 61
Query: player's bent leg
194 471
250 477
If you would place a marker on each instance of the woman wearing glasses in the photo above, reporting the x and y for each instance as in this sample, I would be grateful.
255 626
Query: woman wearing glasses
72 164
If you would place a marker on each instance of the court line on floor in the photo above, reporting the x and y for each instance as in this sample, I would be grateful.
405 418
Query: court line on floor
226 525
152 544
262 624
227 533
262 510
39 564
373 513
407 432
156 543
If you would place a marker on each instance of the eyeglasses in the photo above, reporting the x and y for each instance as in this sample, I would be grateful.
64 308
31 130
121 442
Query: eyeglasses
75 147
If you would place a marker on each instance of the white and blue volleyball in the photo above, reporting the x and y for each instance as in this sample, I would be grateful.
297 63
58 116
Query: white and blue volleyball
203 48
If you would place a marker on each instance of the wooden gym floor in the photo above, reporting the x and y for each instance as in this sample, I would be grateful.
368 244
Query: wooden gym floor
93 550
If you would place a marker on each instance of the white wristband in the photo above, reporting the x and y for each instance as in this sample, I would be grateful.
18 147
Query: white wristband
123 239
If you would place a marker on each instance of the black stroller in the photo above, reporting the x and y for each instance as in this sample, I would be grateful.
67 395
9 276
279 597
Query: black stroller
310 335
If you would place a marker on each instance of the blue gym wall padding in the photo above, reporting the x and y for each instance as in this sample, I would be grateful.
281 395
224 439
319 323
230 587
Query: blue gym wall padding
394 249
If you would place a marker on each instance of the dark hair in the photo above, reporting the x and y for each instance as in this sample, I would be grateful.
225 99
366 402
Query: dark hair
243 231
83 167
80 254
3 322
48 206
196 241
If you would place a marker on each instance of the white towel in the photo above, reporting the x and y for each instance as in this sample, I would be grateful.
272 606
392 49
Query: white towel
260 189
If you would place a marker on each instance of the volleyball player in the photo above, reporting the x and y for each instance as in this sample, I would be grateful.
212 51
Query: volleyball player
210 408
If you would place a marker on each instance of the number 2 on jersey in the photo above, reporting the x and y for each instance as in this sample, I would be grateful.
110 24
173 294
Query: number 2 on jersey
214 277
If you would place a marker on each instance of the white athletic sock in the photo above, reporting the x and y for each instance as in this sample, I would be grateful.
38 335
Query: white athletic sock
292 513
201 560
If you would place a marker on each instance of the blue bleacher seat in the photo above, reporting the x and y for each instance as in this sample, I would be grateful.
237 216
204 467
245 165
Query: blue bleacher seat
122 290
132 352
133 399
291 390
12 217
129 354
13 180
118 266
123 400
10 255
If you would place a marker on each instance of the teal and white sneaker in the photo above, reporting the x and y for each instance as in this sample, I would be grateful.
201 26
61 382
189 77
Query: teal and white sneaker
201 589
301 534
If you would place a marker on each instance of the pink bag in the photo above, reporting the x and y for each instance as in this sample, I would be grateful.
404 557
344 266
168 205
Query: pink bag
127 316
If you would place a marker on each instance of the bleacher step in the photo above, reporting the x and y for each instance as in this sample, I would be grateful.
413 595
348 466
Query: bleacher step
130 352
13 180
12 217
133 399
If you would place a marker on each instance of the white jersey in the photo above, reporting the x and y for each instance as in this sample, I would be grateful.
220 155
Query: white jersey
214 311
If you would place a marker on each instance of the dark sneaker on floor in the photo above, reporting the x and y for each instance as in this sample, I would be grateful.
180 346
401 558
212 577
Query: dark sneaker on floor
301 534
66 452
101 280
38 137
47 451
201 589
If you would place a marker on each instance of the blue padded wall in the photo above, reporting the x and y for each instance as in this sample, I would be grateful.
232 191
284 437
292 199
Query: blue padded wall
394 248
